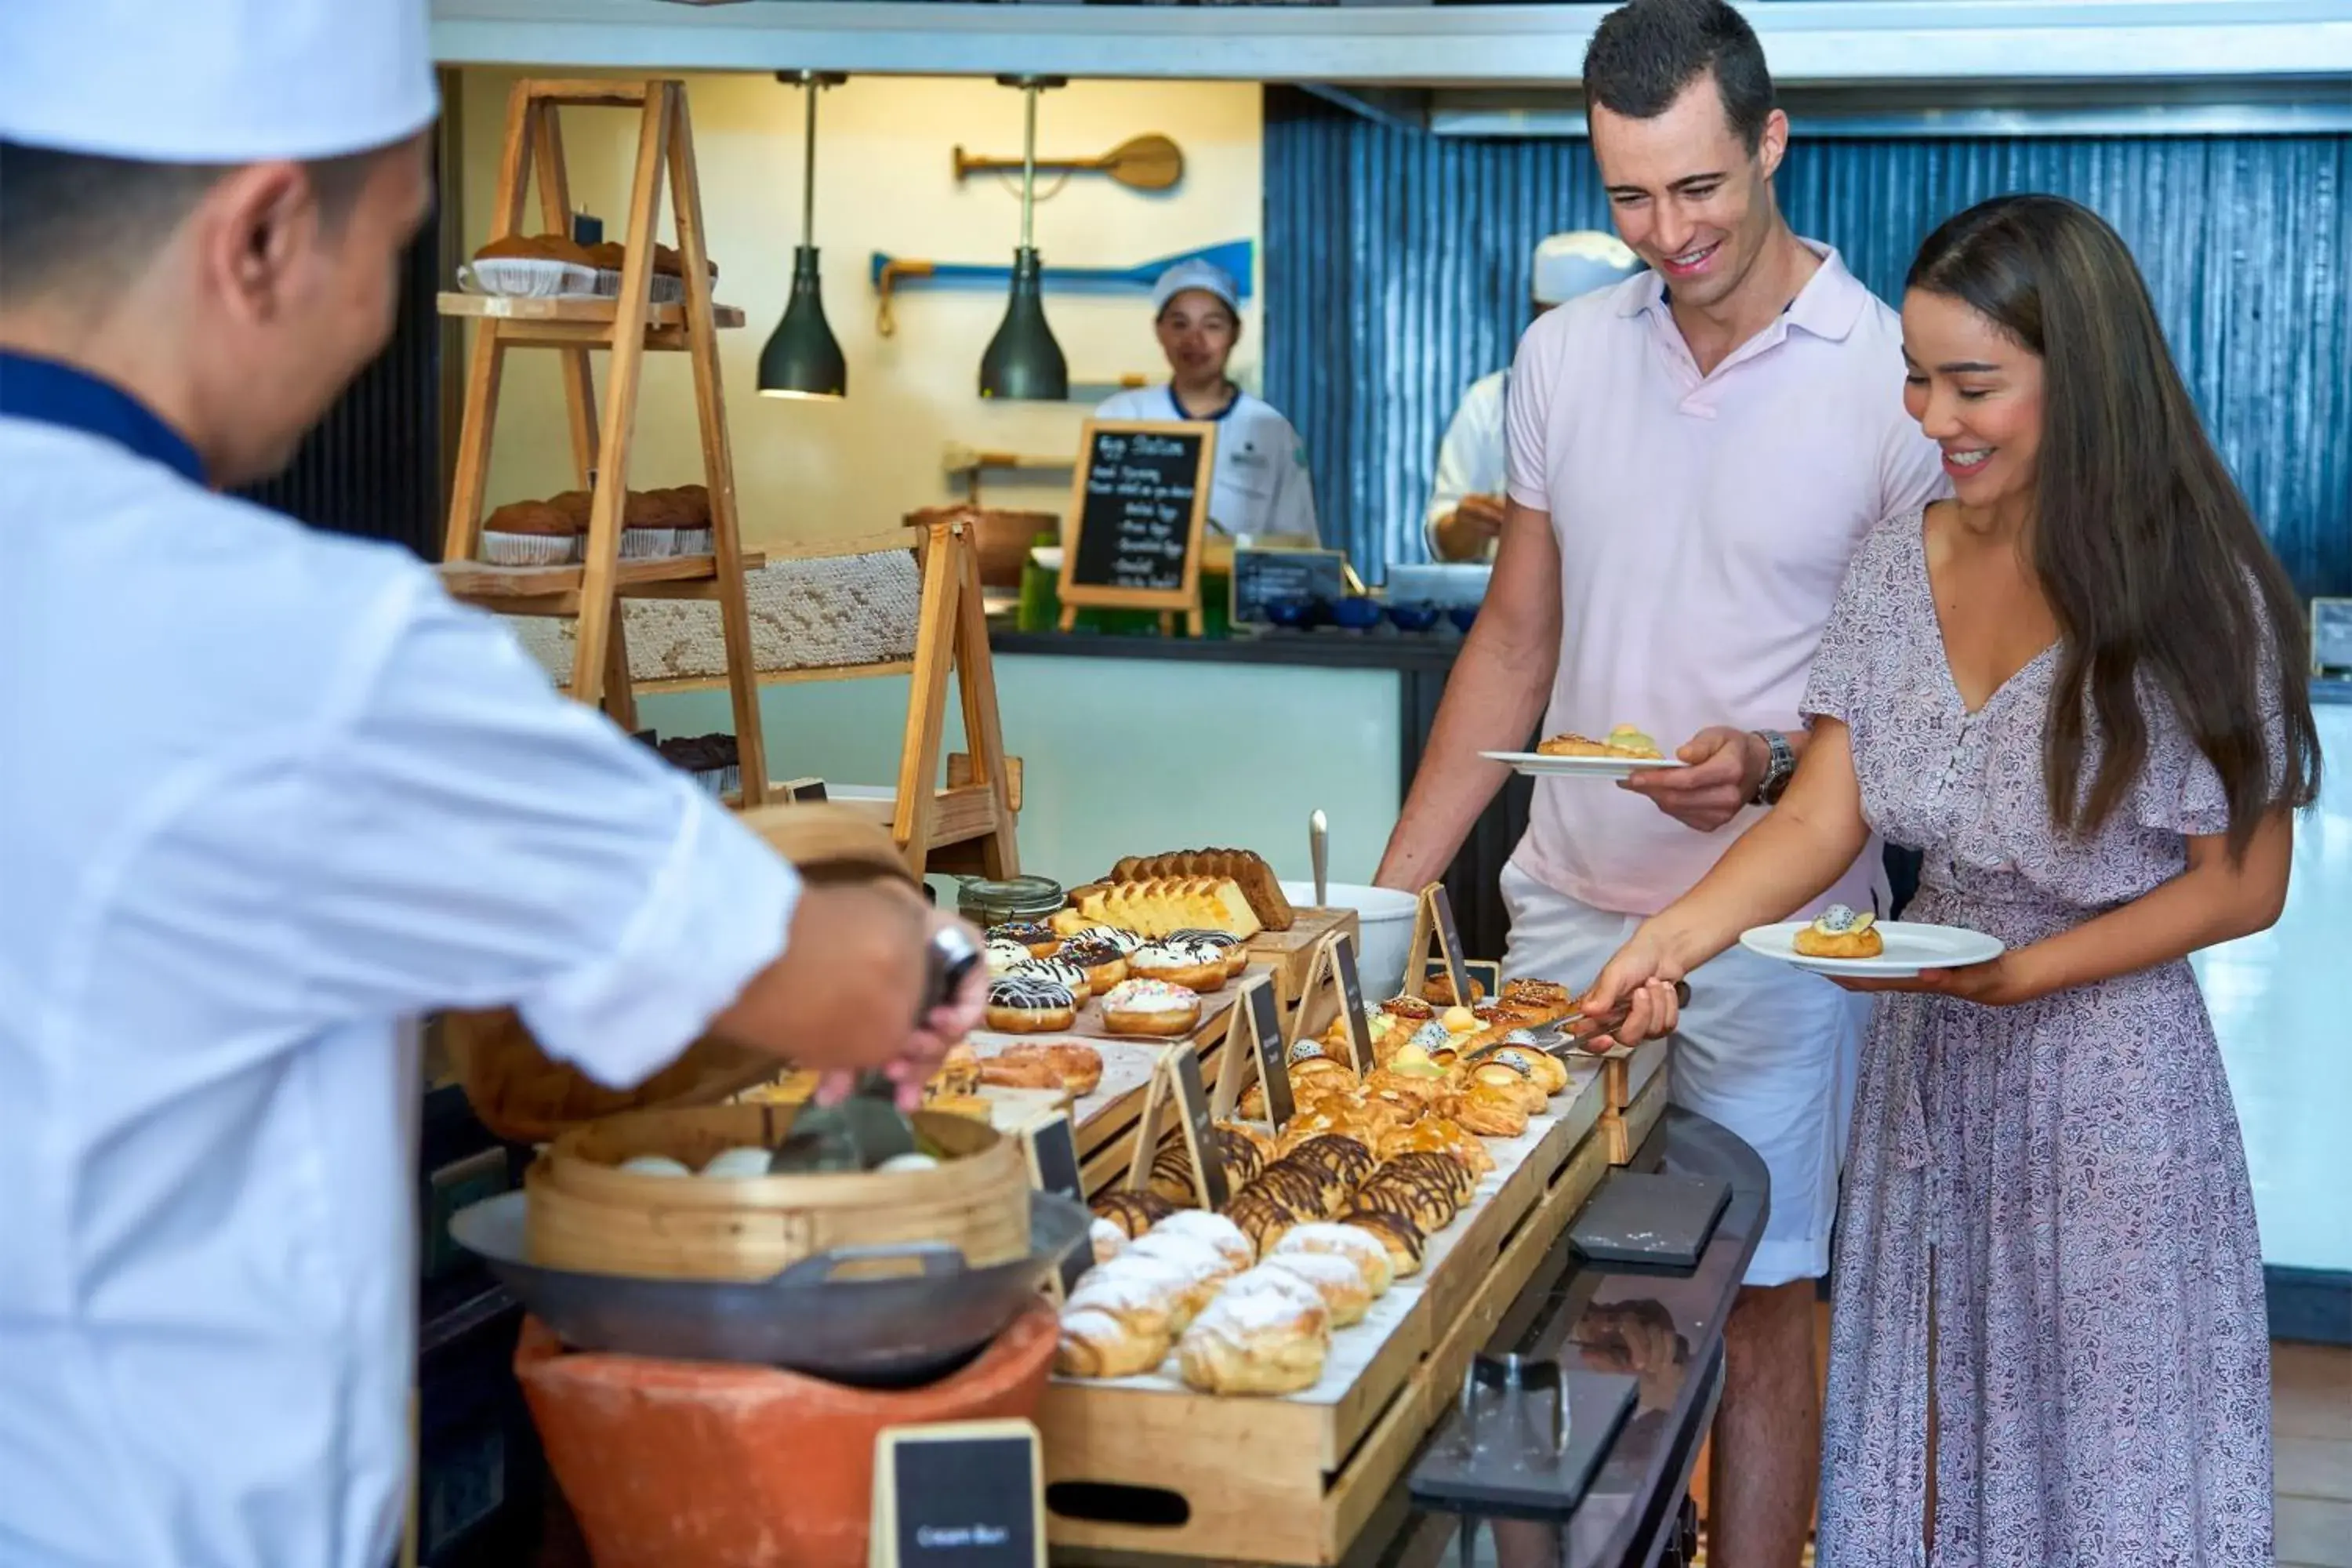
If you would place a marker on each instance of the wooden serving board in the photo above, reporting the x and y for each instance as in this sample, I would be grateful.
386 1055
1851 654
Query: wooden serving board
1292 951
1288 1479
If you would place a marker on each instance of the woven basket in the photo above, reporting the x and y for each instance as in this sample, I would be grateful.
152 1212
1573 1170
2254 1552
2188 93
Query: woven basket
587 1215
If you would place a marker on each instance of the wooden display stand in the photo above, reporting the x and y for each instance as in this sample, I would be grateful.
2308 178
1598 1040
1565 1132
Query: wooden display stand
967 823
626 327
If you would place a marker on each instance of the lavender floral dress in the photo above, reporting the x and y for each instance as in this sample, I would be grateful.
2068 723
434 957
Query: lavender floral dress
2060 1183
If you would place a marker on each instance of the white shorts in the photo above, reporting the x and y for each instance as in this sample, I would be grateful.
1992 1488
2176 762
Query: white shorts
1765 1049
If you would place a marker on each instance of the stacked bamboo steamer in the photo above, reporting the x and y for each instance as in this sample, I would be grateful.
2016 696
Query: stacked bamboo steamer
586 1213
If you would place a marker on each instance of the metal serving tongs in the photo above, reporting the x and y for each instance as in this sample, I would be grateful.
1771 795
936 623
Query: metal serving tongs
867 1128
1569 1034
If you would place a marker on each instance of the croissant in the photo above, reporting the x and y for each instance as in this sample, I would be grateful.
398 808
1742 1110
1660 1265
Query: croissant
1337 1279
1359 1247
1263 1335
1096 1344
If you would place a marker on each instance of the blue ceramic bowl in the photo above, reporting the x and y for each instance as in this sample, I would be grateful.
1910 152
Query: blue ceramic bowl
1462 615
1413 617
1357 615
1292 615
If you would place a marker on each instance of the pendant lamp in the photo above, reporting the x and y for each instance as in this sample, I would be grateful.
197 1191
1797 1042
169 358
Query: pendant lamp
802 358
1022 361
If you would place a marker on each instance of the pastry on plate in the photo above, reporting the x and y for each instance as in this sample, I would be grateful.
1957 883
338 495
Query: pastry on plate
1358 1248
1194 966
1151 1008
1133 1212
1102 964
1236 949
1624 741
1097 1344
1030 1004
1337 1279
1265 1333
1839 933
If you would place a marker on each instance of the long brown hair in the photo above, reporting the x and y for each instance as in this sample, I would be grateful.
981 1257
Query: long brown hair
2145 550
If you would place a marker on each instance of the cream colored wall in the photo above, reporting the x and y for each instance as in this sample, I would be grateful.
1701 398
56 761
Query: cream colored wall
885 182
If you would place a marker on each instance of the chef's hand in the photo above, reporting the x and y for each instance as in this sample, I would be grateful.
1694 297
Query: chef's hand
1464 533
1723 767
940 1031
845 993
1640 977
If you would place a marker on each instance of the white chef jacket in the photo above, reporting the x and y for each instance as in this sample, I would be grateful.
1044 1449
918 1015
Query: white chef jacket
1472 458
1259 486
263 793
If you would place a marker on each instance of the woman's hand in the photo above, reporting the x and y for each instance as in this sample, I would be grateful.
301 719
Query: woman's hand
1995 983
1640 977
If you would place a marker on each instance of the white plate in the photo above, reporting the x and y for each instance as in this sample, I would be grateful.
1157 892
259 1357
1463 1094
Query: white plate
1910 948
1536 764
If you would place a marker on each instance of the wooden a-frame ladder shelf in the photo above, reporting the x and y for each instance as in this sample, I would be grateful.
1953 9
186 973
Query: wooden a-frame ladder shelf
626 327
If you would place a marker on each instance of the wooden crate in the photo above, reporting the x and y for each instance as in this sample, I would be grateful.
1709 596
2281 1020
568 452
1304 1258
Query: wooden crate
1292 951
1291 1480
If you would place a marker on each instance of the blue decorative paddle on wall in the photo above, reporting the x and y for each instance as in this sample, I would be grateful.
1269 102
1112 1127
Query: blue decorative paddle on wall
891 273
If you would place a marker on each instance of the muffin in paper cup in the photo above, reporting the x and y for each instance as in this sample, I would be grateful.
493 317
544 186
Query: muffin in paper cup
500 549
526 279
648 543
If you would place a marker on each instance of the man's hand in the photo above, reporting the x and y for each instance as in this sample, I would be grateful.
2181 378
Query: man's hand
845 995
1464 533
1725 767
935 1034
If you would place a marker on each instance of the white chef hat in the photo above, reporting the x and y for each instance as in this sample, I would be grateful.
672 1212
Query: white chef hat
1206 276
214 81
1568 265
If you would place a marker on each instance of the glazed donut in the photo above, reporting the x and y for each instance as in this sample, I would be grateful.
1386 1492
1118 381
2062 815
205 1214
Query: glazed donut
1235 951
1178 963
1030 1004
1040 940
1103 964
1060 972
1151 1008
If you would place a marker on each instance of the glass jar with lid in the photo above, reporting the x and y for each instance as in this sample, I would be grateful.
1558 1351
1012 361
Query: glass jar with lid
987 903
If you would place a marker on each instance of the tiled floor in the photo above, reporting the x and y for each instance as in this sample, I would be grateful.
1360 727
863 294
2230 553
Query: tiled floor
2311 1442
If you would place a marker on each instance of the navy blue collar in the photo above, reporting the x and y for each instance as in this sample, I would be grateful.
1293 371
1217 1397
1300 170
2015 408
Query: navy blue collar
1231 404
56 394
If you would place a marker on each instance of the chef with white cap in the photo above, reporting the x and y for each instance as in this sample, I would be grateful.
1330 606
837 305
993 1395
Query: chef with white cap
264 793
1260 489
1465 503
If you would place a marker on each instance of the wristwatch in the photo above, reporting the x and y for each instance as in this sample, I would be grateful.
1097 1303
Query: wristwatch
1780 762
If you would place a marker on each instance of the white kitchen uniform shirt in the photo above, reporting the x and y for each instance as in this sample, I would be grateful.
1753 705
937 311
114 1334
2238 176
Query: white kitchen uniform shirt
1259 486
1473 458
264 793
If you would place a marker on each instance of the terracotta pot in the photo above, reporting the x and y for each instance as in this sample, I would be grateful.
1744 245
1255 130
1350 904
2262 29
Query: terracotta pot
696 1465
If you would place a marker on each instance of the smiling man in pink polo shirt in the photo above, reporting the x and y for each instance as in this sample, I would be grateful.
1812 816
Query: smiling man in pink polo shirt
1693 455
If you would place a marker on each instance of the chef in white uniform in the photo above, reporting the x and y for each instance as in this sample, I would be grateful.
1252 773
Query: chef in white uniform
1260 489
265 793
1466 502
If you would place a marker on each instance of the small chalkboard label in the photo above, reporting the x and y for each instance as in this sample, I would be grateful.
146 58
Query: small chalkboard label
1262 577
1052 1149
962 1494
1266 1023
1351 1001
1199 1130
1140 503
1449 938
802 791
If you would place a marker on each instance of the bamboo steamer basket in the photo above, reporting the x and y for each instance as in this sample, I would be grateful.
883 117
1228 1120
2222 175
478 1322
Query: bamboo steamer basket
587 1215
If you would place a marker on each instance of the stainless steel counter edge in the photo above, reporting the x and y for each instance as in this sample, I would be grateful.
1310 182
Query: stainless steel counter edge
1809 40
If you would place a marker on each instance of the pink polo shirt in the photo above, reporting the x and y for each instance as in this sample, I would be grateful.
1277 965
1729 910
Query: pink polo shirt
1703 523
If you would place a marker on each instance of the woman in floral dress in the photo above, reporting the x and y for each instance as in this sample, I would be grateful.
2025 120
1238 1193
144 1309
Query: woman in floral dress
2075 687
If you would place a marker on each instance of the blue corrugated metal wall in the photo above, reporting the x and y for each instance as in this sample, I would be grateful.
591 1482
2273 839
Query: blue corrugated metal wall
1396 262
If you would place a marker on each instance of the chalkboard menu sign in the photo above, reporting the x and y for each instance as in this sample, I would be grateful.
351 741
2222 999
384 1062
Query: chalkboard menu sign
1263 577
1054 1168
964 1494
1140 501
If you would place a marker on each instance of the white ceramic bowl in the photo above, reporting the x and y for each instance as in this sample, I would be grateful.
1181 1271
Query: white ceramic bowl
1387 918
